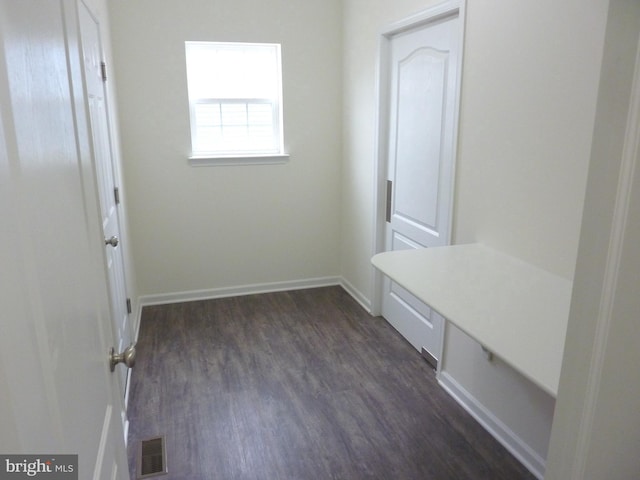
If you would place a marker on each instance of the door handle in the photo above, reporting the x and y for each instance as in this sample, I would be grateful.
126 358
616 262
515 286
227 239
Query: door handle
113 241
389 199
128 357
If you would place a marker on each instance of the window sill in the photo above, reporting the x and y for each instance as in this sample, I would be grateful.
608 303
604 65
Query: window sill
210 161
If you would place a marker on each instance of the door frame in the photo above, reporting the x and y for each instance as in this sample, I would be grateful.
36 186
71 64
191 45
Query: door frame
114 163
425 17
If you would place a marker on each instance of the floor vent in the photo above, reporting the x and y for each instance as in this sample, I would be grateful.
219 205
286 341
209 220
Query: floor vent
152 458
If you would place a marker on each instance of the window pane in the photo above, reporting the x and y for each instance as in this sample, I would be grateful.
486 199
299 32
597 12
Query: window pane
234 114
234 136
262 138
260 114
208 114
207 138
232 70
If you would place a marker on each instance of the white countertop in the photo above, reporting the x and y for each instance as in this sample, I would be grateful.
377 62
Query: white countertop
514 309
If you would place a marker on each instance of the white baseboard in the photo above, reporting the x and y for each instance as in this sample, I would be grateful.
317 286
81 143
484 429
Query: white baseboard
357 295
514 444
190 296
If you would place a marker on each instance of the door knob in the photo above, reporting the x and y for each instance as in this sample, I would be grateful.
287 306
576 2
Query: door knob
128 357
113 241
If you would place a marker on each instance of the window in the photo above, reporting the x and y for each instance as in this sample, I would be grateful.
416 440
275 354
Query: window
235 101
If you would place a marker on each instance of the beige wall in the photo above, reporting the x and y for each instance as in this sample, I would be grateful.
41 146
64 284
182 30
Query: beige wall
530 81
215 227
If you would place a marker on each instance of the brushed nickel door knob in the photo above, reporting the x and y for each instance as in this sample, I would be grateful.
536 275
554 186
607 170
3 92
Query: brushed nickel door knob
128 357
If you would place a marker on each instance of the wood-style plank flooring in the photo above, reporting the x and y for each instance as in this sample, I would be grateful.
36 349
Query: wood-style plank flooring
298 385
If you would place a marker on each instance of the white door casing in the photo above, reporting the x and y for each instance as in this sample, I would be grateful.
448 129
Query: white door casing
419 98
106 178
59 395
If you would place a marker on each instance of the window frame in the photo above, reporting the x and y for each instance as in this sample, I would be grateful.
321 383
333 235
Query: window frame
230 157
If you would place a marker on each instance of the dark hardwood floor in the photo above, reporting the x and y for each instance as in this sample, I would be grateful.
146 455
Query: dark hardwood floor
298 385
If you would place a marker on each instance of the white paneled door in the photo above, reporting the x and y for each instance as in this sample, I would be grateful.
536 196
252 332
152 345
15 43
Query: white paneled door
422 99
57 393
106 176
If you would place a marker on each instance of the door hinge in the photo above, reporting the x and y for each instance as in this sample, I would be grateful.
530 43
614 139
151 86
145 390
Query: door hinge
129 305
103 71
389 196
116 195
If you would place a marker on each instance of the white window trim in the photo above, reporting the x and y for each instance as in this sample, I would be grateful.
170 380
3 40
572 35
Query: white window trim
215 160
203 159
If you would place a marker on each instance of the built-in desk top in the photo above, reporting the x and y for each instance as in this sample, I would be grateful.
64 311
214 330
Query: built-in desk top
514 309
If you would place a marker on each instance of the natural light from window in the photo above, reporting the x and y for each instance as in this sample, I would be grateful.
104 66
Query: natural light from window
235 99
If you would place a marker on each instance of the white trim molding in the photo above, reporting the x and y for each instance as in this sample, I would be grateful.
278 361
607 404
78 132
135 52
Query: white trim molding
236 291
614 262
597 398
431 14
357 295
228 160
501 432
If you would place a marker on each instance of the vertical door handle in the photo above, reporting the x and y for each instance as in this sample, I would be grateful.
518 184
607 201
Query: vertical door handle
389 197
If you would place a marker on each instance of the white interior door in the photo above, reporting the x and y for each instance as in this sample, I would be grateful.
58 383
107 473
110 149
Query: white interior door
422 99
57 392
106 176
